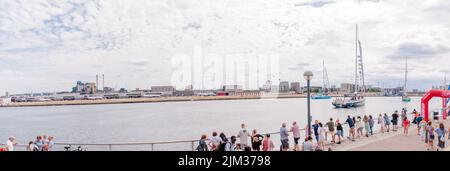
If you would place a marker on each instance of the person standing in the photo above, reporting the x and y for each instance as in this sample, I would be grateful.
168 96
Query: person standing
395 120
423 132
403 116
284 137
256 141
330 126
268 144
366 125
381 123
339 131
416 115
321 142
11 143
39 143
387 123
30 146
50 143
441 131
371 124
419 121
214 142
243 136
316 130
359 127
405 124
202 144
296 132
430 132
233 140
351 125
225 145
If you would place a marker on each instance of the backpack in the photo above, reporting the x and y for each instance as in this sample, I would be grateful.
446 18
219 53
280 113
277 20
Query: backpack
222 146
202 146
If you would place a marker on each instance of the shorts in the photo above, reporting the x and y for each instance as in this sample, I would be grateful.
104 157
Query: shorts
431 137
339 133
331 132
285 144
394 122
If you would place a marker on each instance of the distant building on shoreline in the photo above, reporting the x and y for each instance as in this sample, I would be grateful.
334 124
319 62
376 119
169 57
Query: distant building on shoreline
164 90
108 90
347 88
284 87
232 88
296 87
85 88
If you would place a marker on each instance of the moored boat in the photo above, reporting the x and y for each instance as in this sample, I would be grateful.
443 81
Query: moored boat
320 96
357 98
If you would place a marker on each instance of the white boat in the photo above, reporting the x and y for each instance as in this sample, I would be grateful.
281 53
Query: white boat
323 94
357 99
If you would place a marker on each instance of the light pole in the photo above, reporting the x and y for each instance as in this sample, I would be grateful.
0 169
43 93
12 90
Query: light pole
308 75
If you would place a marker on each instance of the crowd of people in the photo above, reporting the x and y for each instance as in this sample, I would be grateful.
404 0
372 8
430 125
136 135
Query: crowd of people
358 126
42 143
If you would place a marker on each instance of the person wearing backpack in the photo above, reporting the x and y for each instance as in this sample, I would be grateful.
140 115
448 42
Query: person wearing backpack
202 144
225 145
256 141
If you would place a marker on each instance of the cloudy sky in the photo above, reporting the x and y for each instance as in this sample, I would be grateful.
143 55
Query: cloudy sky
47 45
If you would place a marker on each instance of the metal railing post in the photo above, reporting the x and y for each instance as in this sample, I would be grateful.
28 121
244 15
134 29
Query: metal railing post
110 147
152 147
192 145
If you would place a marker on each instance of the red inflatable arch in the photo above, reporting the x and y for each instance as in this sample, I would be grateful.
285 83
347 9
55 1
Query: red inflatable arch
444 94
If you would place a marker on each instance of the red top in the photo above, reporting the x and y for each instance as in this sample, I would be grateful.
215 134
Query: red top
406 122
266 144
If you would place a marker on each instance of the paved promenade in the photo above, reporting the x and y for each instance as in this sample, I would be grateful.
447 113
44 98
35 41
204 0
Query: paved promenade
392 141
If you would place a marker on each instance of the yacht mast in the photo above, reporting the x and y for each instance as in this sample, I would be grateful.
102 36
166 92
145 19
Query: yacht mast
406 76
326 82
356 61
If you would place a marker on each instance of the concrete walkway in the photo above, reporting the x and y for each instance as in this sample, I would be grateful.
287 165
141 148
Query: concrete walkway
392 141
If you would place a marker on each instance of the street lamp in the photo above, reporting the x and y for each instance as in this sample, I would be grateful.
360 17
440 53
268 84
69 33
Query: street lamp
308 75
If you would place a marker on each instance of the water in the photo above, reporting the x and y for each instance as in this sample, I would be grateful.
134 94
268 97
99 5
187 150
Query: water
150 122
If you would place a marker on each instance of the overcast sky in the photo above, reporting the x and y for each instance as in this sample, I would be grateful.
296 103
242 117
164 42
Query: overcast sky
47 45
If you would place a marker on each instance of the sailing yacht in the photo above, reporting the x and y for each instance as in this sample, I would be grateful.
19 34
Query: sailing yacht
405 97
323 94
357 98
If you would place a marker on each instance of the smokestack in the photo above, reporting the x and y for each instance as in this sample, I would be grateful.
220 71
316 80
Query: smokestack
96 82
103 75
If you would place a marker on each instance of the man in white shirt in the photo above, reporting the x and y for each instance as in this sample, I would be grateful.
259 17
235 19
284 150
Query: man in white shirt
243 136
215 142
11 143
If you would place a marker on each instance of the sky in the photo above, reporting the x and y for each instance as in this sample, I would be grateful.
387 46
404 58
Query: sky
48 45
